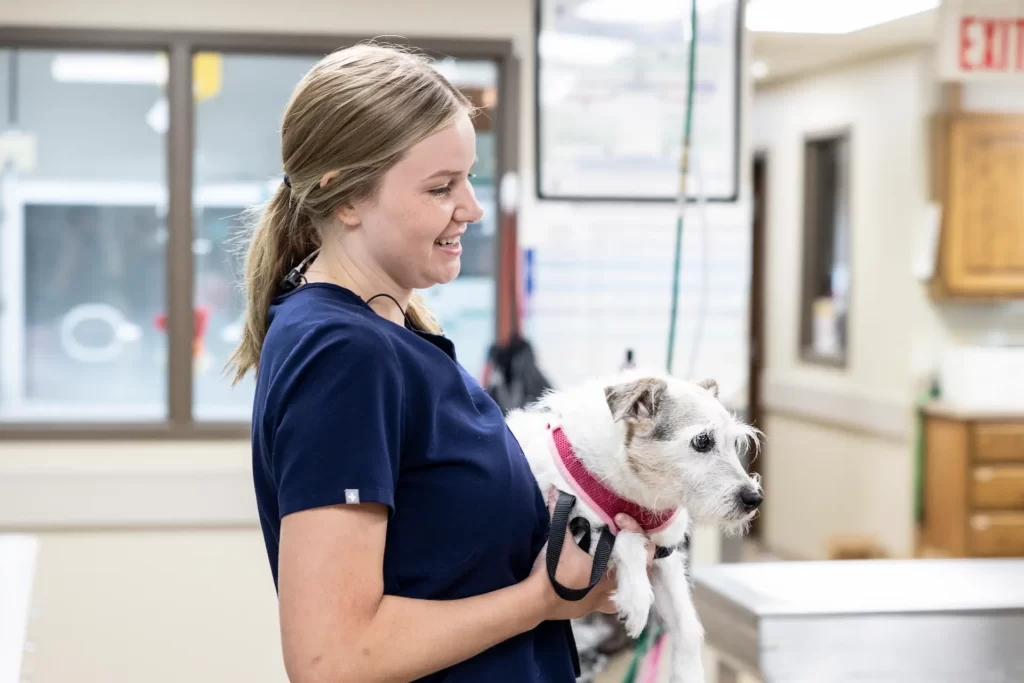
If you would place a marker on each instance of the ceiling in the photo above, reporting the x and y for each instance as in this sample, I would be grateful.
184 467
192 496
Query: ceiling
789 55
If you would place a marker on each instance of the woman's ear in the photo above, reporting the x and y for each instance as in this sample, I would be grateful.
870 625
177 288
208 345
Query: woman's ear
348 215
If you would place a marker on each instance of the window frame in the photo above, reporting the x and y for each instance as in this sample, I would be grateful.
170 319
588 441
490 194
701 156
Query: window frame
809 243
180 47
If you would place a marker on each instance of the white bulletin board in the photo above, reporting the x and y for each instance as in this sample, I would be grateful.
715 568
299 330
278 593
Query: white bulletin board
611 81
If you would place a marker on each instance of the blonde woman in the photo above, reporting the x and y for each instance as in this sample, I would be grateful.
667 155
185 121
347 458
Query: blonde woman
403 527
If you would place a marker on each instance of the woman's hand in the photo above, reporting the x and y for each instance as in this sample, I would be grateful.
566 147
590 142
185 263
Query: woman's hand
574 567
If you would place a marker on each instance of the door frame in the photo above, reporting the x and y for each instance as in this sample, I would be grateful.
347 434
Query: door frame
759 183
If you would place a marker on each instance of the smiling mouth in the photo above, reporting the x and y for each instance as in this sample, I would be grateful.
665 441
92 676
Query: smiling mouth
449 242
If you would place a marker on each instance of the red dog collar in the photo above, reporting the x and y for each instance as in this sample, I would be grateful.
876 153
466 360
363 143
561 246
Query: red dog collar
603 500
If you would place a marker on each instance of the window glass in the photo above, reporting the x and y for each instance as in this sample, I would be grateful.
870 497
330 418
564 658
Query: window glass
83 236
826 289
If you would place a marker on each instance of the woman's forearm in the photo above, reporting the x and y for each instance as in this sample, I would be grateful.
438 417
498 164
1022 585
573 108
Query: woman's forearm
408 639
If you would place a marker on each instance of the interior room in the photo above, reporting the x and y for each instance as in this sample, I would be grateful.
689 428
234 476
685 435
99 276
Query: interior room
807 213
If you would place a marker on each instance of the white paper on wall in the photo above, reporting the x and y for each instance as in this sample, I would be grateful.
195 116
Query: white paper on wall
601 279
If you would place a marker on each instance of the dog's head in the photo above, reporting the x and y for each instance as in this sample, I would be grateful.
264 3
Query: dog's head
682 445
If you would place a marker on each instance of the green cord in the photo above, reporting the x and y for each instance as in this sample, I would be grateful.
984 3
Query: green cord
684 169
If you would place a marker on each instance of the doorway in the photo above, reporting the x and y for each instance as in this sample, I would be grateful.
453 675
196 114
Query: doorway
755 409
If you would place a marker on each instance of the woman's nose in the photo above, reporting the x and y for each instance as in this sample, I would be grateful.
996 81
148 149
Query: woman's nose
469 210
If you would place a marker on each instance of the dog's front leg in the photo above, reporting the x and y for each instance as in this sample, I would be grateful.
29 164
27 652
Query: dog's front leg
633 593
675 605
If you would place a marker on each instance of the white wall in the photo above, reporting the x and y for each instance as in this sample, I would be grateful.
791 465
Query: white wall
839 451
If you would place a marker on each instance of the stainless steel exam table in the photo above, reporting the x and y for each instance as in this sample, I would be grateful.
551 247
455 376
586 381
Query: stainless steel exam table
898 621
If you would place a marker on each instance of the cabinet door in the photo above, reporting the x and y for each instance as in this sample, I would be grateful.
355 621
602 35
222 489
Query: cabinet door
983 229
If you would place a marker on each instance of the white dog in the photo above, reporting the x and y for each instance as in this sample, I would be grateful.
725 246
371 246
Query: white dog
661 449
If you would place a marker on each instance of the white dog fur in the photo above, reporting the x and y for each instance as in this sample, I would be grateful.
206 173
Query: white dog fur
663 443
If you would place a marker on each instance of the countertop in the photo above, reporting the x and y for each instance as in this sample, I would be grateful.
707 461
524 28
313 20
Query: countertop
884 621
17 571
954 411
868 586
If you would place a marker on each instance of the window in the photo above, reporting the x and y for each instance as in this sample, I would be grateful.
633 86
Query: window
120 207
83 237
825 307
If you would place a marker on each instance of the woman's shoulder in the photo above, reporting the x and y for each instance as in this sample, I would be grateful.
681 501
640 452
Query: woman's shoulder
322 327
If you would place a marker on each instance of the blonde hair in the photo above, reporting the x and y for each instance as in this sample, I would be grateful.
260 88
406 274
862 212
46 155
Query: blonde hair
356 112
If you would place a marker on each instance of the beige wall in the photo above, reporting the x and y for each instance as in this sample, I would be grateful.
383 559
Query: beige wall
839 454
166 606
839 446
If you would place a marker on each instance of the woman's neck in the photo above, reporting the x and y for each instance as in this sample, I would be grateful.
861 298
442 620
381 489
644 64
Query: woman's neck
333 266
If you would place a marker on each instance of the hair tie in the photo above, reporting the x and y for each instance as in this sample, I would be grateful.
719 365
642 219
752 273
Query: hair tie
287 181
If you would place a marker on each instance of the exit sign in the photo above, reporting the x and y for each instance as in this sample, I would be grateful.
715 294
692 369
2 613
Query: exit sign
981 40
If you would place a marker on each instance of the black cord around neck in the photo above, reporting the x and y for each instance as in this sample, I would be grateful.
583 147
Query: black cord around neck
405 315
297 275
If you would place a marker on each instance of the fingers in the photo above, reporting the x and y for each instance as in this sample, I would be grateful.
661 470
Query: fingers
627 523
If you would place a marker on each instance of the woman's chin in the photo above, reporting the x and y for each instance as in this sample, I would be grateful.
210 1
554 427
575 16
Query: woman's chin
448 272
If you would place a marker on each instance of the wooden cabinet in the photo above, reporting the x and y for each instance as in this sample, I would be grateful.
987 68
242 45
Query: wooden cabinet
973 485
979 166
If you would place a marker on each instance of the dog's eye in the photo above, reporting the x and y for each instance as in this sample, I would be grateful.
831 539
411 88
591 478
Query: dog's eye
702 443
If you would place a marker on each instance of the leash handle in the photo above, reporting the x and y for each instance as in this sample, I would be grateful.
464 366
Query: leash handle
556 540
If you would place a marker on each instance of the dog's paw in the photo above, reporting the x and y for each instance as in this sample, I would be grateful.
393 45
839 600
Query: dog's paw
633 604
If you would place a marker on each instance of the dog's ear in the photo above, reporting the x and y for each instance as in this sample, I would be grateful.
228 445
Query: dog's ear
710 385
635 401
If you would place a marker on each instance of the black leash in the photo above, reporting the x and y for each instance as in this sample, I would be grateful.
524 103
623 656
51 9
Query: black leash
559 523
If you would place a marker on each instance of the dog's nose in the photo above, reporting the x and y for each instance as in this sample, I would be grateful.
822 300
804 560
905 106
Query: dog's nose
751 498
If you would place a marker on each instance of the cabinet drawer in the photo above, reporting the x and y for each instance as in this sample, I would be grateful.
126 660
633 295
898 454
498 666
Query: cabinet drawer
998 487
999 442
991 535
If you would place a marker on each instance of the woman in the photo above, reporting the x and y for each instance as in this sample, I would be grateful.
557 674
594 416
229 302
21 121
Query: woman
403 527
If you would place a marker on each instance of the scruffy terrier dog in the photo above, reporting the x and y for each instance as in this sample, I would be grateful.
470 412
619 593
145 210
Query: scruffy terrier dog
661 449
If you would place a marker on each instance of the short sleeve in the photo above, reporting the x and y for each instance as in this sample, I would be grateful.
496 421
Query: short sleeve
339 432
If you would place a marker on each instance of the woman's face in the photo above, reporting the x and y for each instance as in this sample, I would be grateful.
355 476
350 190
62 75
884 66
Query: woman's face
411 229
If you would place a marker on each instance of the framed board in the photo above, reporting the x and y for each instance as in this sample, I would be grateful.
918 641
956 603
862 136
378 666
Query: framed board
610 94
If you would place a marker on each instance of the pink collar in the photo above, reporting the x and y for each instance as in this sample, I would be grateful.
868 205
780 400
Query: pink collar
603 500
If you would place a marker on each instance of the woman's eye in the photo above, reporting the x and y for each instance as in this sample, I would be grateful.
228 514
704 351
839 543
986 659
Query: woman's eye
441 191
702 443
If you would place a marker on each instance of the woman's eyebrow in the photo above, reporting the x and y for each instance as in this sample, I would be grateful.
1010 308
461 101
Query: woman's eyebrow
441 174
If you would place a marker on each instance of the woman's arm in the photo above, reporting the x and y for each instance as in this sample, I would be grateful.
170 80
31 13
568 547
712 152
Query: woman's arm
337 626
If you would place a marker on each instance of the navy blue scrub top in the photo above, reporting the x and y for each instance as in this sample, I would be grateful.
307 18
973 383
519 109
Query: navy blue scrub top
351 407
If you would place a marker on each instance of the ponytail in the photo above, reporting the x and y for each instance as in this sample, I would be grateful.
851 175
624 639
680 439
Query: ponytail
421 317
282 237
